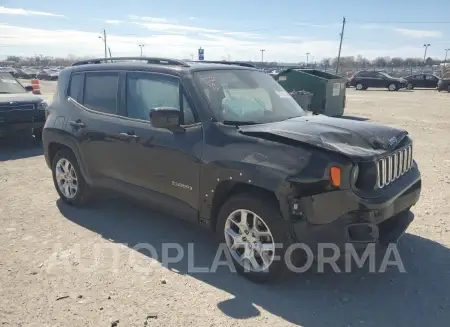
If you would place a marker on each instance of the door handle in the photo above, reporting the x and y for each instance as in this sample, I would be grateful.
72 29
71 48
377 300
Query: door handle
77 124
129 136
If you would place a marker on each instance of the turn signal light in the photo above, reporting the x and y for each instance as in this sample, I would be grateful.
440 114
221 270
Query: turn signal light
335 174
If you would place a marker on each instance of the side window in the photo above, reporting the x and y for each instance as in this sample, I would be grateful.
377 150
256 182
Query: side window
76 86
189 117
147 91
100 91
431 78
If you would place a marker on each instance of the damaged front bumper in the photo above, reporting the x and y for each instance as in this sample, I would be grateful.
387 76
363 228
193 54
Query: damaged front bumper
342 217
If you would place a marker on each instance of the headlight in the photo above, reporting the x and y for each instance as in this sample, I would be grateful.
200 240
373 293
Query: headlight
354 175
42 105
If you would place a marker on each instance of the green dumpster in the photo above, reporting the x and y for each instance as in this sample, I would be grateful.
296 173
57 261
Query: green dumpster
328 90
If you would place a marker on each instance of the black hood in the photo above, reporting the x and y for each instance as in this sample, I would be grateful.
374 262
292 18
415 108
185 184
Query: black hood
19 98
355 139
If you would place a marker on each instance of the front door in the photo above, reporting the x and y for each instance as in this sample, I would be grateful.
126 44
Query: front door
161 158
380 80
431 81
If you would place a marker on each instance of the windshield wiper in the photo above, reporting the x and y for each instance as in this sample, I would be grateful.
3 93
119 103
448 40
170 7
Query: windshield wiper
239 122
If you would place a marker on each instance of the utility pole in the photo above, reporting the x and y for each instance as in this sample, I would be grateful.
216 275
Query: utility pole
445 59
142 47
104 41
307 58
425 53
262 55
340 46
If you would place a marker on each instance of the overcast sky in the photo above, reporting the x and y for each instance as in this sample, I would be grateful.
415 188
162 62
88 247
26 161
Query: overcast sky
286 29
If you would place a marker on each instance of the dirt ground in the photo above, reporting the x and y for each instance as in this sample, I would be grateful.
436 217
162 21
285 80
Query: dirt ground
61 266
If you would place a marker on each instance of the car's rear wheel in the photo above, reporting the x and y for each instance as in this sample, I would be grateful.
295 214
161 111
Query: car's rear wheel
256 236
68 180
392 87
360 86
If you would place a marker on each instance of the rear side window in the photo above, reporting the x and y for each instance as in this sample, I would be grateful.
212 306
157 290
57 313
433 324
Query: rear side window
362 74
100 91
76 86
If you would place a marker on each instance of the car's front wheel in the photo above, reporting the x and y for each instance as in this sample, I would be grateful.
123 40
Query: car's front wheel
68 180
256 236
410 86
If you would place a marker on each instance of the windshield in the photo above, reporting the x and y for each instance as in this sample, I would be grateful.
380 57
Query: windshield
247 96
8 84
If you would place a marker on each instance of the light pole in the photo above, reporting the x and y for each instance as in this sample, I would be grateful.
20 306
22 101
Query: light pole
307 58
425 53
142 47
445 59
262 55
104 41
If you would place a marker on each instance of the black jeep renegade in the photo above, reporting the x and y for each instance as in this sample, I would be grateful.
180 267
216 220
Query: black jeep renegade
225 146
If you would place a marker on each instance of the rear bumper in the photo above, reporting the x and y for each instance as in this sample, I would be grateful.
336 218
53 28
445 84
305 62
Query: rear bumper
342 217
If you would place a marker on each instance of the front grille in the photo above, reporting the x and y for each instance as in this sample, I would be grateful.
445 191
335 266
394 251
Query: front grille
6 108
393 166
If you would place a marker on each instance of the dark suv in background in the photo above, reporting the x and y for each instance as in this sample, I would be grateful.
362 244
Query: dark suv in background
227 147
20 110
429 81
362 80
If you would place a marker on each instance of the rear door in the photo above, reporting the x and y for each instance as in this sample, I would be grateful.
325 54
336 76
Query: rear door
421 80
415 80
362 77
96 123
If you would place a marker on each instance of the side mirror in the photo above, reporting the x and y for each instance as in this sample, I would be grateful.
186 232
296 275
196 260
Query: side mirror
28 88
165 117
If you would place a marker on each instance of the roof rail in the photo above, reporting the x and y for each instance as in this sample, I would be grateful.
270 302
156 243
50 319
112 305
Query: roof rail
149 60
237 63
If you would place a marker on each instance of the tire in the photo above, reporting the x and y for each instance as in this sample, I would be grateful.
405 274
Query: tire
360 86
393 87
83 192
409 86
267 210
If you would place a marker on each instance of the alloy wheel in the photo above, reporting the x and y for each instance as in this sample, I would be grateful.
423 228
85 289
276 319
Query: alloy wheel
249 240
66 178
